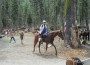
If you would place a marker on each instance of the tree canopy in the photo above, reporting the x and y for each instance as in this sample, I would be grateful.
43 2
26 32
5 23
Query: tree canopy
30 13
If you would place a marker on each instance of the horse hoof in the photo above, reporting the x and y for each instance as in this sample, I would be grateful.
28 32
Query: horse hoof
56 54
33 51
40 52
38 46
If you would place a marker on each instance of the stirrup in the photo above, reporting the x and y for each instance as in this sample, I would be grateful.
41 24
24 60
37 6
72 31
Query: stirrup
40 39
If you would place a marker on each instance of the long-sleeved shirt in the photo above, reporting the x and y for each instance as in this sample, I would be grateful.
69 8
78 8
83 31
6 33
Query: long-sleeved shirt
43 29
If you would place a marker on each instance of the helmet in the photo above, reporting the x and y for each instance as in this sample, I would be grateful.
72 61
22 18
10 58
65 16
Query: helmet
44 21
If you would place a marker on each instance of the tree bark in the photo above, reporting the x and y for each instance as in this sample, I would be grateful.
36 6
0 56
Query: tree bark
71 33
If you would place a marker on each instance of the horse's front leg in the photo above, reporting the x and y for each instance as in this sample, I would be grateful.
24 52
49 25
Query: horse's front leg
55 49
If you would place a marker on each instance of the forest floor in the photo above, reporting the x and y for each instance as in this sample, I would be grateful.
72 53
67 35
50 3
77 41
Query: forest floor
18 54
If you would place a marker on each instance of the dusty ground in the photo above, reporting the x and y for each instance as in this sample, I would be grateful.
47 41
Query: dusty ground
18 54
83 52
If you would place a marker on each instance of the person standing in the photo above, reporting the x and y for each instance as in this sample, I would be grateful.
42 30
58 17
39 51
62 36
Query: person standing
11 33
21 36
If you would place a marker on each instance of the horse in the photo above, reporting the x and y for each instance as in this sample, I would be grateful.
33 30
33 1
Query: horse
84 35
49 39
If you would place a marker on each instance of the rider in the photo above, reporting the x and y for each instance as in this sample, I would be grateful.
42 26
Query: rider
43 30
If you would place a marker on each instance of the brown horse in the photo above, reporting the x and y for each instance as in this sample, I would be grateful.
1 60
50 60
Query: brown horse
49 39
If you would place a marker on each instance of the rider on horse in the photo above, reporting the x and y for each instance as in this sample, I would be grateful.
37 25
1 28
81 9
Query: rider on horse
43 30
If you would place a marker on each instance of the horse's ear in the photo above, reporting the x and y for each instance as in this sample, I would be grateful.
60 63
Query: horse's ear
60 30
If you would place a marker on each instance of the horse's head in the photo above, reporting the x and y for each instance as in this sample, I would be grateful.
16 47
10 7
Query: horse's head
60 34
56 33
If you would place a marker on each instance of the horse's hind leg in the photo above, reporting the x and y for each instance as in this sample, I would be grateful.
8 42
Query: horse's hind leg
35 42
88 36
46 46
39 46
55 49
34 47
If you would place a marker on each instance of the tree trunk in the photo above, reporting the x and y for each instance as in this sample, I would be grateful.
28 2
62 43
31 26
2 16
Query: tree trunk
71 33
67 25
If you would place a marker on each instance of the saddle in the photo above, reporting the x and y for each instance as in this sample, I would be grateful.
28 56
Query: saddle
43 35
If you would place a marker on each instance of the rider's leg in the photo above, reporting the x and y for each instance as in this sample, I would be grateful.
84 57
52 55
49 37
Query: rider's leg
40 37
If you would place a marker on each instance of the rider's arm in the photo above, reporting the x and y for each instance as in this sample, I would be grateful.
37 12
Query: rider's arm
41 28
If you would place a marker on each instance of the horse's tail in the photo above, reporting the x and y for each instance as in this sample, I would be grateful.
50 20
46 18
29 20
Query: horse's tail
36 38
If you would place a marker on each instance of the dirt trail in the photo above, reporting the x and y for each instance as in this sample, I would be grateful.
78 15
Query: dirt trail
18 54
